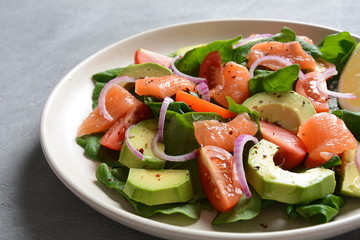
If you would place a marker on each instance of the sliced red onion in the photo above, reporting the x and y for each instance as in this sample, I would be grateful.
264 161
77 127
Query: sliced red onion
279 59
105 89
357 158
238 158
204 91
132 149
180 158
162 115
322 87
180 74
253 38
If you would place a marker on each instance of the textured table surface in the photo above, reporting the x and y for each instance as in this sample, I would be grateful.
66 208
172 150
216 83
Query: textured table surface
41 41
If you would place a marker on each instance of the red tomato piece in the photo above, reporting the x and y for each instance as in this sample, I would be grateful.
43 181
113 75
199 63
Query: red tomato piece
218 177
308 89
145 56
114 137
211 69
292 150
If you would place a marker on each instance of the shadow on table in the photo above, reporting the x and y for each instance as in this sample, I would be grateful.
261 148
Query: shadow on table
51 211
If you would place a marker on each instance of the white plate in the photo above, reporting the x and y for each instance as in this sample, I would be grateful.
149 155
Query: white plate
70 103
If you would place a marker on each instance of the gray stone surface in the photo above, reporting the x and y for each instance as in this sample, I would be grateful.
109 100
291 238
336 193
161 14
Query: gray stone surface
41 41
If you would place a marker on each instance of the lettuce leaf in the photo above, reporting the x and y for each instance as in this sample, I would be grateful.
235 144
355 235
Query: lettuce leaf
351 120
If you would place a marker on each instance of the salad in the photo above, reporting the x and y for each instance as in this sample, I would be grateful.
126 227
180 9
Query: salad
233 125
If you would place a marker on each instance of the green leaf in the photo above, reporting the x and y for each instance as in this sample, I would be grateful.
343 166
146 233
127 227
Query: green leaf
285 35
280 80
190 63
337 48
94 150
178 107
333 162
191 210
179 135
312 49
318 213
107 75
96 93
245 209
291 211
334 201
238 109
351 120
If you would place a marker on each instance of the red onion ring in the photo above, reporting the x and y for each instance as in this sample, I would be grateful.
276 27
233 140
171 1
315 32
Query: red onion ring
279 59
162 115
238 158
179 158
204 91
357 158
132 149
105 89
180 74
253 38
322 87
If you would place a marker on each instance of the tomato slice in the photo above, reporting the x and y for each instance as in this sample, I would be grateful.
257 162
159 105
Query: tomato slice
307 88
145 56
292 150
211 68
218 177
114 137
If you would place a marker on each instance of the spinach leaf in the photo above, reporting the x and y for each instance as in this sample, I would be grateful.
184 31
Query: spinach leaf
179 135
351 120
312 49
285 35
190 63
178 107
96 93
333 162
337 48
245 209
320 211
94 150
191 210
107 75
280 80
238 109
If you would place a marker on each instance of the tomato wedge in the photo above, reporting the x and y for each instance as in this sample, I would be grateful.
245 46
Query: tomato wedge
218 178
114 137
211 69
292 150
145 56
307 88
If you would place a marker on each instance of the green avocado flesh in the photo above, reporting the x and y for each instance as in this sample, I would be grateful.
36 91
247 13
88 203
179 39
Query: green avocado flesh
154 187
287 109
350 175
145 70
273 183
141 136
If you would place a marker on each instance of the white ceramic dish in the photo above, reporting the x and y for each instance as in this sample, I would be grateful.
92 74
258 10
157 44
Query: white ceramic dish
70 103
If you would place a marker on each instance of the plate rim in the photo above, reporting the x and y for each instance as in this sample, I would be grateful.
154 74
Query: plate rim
147 225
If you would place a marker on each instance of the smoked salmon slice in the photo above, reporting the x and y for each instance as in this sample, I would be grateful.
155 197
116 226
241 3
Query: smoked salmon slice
324 136
292 51
236 79
161 87
118 101
223 135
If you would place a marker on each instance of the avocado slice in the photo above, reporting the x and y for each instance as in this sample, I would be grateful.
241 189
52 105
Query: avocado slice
154 187
183 50
145 70
287 109
141 136
350 175
273 183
